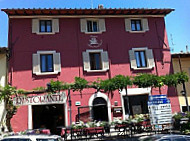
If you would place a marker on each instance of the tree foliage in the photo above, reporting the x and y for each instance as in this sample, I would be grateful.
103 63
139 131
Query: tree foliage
148 80
79 84
118 82
6 95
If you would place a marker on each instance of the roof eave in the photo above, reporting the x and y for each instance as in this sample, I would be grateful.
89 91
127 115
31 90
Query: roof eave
28 12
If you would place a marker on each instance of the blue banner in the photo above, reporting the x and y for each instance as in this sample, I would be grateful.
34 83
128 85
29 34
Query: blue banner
158 99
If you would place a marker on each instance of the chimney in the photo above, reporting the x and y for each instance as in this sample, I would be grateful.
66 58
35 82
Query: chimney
187 50
100 6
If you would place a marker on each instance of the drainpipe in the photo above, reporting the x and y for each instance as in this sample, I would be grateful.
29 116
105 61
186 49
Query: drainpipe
183 92
70 111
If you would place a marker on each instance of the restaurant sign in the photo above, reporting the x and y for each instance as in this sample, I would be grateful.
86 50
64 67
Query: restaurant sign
40 99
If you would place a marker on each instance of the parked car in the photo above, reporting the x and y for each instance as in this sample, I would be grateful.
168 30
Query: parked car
32 138
166 137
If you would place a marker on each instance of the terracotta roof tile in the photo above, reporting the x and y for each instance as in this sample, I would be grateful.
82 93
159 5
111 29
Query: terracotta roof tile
104 11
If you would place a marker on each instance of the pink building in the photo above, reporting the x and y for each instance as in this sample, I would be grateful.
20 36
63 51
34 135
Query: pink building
61 44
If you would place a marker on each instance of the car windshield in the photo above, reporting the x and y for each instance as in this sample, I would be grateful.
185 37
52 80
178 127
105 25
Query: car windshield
48 139
16 139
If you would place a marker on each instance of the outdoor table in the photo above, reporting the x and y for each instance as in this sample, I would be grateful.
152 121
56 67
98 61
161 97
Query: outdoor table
122 128
142 126
94 131
77 132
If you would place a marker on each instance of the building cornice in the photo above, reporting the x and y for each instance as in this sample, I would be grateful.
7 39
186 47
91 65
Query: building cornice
181 55
87 12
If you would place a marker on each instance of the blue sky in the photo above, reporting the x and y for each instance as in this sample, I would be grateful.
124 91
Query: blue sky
177 22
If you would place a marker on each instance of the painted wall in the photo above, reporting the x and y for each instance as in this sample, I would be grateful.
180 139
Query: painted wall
70 42
185 65
3 71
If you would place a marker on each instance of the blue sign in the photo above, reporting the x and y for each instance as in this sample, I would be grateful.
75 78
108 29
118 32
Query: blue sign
152 97
158 99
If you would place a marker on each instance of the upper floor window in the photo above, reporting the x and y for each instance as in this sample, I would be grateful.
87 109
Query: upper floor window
45 26
141 58
92 26
136 25
95 60
46 62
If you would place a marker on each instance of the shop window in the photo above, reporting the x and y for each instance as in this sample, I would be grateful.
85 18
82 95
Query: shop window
46 62
137 104
141 58
184 108
95 60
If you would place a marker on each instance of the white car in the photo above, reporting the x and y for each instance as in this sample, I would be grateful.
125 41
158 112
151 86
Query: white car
32 138
166 137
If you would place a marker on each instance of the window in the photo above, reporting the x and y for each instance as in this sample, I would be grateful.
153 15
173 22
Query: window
45 26
93 26
136 25
184 108
95 60
141 58
136 104
46 62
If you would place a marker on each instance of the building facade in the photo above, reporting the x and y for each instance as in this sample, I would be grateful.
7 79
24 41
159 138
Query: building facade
3 82
181 62
62 44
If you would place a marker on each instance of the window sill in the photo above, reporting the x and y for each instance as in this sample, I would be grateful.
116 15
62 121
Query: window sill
147 68
93 32
96 70
137 31
47 73
45 33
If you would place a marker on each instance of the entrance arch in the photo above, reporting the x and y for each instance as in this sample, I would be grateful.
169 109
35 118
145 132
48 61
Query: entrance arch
101 103
100 109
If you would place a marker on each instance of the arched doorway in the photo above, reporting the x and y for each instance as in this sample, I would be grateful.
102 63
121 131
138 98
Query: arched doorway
100 109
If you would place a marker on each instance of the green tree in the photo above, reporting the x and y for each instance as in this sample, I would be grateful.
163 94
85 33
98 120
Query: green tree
6 95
